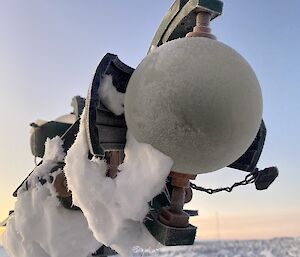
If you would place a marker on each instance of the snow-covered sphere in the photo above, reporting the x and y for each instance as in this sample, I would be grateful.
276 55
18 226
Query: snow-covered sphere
197 101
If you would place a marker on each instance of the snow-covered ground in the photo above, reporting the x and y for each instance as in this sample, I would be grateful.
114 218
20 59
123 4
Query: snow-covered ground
278 247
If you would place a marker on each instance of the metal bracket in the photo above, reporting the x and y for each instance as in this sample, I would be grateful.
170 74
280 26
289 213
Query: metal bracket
169 236
181 18
106 131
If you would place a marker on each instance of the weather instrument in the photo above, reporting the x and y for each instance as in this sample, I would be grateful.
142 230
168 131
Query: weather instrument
192 97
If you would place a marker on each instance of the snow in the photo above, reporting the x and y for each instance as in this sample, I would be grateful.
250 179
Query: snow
278 247
115 208
112 99
68 118
40 122
54 150
40 226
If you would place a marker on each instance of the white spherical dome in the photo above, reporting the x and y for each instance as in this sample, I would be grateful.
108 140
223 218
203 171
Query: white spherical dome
197 101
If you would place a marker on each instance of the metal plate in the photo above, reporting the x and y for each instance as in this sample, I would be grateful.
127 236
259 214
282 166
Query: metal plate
169 236
106 131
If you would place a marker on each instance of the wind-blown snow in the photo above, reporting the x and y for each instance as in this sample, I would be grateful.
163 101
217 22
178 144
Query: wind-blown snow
40 226
112 99
115 208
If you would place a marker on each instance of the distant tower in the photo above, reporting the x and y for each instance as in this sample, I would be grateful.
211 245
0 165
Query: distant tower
218 226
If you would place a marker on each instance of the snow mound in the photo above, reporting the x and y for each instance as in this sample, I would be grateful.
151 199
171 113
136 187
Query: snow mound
40 226
115 208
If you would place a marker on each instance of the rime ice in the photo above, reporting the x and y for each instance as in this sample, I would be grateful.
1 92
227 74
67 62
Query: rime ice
115 208
40 226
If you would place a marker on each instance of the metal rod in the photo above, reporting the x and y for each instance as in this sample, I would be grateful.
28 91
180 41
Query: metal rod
202 28
114 159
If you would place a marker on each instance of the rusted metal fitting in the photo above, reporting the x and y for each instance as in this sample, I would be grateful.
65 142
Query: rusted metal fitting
174 216
177 220
202 28
60 185
113 159
181 179
188 195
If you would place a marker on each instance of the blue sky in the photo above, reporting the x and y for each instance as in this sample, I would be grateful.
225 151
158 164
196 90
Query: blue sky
50 49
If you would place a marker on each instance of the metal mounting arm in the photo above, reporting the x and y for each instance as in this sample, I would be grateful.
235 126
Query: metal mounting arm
181 19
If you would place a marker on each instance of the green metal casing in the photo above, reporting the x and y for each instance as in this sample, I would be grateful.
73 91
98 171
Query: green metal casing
53 128
41 133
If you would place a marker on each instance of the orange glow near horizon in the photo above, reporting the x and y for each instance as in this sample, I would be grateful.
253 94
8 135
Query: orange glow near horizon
2 229
6 207
247 226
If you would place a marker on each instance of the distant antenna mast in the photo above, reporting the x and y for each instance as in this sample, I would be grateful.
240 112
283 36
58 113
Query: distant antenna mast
218 226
